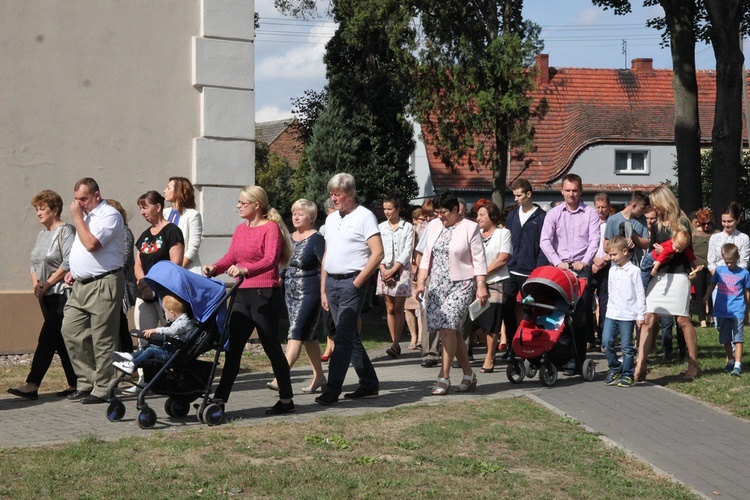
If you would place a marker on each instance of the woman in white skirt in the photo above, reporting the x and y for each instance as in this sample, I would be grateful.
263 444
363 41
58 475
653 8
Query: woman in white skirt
668 294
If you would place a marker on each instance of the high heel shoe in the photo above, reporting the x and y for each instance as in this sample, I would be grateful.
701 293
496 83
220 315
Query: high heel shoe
693 372
468 383
441 387
314 387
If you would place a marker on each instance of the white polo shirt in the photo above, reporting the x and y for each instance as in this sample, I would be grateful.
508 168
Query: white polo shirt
346 240
107 226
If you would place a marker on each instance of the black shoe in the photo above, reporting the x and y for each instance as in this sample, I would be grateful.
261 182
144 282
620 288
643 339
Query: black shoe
32 395
280 408
394 351
93 400
65 392
429 363
361 393
326 399
78 395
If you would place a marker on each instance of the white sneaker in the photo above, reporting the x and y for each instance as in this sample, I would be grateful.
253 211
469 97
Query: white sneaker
122 356
124 366
133 390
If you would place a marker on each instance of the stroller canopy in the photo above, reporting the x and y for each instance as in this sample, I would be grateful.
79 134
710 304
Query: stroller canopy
204 295
545 278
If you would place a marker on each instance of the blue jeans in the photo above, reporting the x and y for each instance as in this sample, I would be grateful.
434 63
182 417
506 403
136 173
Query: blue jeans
345 302
152 352
647 264
625 328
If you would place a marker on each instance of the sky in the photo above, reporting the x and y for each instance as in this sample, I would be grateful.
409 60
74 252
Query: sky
289 52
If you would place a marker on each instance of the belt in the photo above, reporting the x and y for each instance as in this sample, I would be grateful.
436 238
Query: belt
86 281
344 276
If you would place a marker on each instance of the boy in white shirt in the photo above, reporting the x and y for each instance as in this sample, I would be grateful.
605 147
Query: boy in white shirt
626 309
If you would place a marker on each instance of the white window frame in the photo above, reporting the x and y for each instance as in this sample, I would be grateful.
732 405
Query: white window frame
629 169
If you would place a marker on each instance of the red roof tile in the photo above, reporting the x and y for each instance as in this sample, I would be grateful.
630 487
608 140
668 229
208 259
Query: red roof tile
587 107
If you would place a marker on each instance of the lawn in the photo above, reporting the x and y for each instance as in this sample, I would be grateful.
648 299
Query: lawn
714 386
479 449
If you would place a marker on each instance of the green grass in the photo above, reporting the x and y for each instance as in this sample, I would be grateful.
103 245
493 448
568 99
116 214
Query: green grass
478 449
714 386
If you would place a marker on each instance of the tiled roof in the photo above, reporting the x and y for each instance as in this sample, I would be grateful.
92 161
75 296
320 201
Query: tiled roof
587 107
281 139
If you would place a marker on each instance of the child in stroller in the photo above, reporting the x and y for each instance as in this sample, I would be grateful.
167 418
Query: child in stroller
160 347
550 337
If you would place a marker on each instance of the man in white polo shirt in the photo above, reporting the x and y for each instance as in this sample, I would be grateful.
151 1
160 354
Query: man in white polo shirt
92 314
353 253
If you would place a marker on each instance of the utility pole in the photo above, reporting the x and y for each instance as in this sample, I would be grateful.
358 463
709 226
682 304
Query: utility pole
625 51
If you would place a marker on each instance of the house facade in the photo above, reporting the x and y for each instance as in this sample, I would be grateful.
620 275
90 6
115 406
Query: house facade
613 127
129 93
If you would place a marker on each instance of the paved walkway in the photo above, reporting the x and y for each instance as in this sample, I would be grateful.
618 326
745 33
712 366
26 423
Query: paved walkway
702 447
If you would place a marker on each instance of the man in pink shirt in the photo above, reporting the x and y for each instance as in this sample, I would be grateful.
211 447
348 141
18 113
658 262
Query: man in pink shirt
570 239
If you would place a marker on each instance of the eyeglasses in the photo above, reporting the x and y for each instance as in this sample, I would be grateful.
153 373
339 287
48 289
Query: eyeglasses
243 204
442 212
704 223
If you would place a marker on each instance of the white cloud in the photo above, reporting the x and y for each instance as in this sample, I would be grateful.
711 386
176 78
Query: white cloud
271 113
300 62
589 16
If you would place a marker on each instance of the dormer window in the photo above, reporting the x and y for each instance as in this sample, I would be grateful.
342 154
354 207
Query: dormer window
632 162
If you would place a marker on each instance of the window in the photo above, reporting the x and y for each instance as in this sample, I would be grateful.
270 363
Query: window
631 162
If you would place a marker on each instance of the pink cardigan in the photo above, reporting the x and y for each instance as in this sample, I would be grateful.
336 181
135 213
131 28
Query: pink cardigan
466 252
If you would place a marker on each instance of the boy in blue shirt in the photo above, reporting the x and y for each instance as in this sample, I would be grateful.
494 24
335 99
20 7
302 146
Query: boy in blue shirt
732 296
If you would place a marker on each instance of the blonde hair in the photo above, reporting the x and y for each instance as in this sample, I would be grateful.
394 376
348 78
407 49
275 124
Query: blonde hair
617 243
730 250
662 198
256 194
307 206
172 303
681 237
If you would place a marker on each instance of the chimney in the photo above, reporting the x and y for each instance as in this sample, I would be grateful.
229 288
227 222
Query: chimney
542 65
643 65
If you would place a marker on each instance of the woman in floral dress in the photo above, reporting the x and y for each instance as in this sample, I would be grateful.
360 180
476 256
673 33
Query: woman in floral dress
454 259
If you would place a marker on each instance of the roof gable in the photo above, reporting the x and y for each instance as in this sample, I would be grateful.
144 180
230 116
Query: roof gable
586 107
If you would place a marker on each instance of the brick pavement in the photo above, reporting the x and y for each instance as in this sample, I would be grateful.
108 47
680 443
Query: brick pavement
700 446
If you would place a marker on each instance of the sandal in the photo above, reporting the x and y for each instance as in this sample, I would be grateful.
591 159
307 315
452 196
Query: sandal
487 370
413 347
468 383
441 387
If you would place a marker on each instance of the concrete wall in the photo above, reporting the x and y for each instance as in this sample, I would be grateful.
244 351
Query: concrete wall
130 93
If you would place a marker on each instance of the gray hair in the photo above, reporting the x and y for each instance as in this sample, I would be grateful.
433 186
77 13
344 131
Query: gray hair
342 182
328 206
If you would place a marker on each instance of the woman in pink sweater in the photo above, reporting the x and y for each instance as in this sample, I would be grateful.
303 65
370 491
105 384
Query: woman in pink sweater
259 245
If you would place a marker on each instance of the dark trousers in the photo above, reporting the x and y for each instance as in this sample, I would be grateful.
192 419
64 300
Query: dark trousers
255 309
586 302
599 283
666 323
701 282
51 342
345 302
126 341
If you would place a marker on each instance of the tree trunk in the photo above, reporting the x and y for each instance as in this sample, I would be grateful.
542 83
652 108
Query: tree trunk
726 136
680 17
500 172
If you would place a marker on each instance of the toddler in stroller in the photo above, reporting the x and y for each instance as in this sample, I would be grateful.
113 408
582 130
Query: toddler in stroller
175 369
160 346
550 336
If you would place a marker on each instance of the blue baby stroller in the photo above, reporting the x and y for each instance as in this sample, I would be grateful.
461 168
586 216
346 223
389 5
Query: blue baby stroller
183 378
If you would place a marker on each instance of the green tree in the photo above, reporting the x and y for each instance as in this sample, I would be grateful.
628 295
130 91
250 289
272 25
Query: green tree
473 81
274 174
363 129
679 24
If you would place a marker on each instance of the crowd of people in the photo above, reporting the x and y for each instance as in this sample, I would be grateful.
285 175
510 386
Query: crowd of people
647 265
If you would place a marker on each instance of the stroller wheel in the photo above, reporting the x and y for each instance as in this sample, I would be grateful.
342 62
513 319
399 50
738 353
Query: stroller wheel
589 370
175 408
548 374
212 414
147 418
530 371
115 410
515 371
